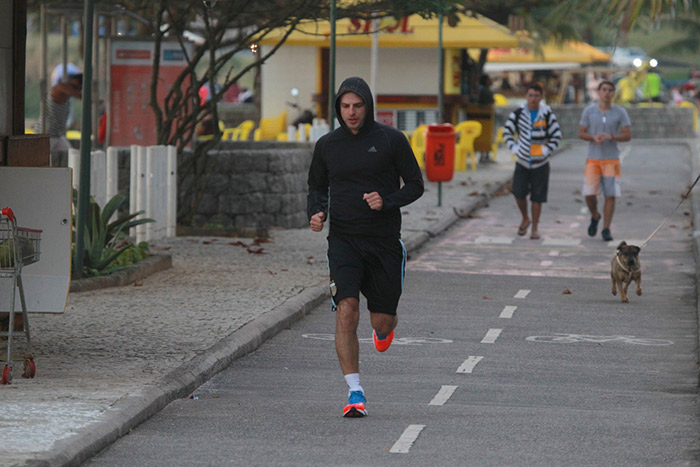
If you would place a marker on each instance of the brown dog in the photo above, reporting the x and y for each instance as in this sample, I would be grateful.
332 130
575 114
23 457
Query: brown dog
625 268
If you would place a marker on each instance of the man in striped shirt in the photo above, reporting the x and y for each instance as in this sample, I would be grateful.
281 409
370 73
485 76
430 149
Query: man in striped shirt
531 133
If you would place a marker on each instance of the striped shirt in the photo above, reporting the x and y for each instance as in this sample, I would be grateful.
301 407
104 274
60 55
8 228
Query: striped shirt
56 118
535 141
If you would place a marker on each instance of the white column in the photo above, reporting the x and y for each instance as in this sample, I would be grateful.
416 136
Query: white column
172 192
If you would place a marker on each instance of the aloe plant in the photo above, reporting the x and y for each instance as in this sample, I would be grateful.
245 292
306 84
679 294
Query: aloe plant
105 241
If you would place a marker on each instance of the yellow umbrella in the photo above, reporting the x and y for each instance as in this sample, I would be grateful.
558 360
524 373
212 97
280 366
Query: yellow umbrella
412 31
596 54
569 52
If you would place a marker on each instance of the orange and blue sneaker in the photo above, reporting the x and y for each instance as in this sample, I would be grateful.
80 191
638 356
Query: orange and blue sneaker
356 405
382 344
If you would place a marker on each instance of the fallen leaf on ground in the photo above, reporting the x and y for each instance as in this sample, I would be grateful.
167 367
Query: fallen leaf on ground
566 292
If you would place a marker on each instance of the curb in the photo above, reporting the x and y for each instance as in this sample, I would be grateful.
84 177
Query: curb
142 269
134 409
694 148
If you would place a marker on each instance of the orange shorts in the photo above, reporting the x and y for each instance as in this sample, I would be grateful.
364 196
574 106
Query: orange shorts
603 173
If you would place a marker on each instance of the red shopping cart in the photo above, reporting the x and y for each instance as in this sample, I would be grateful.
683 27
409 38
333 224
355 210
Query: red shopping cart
19 247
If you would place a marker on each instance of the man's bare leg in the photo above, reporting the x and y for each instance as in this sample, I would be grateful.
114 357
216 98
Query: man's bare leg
608 211
346 345
383 324
525 222
536 211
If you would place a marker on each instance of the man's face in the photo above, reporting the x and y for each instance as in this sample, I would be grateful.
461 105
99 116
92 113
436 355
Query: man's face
606 93
533 97
353 111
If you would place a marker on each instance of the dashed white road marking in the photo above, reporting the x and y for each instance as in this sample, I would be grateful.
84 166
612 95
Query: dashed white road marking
575 225
491 336
508 311
536 274
554 253
484 239
443 395
469 364
522 293
407 439
561 241
546 263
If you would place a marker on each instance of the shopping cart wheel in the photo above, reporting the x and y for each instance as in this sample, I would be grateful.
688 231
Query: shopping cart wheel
29 366
7 374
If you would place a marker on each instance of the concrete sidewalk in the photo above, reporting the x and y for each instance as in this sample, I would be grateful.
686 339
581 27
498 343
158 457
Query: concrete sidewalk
119 355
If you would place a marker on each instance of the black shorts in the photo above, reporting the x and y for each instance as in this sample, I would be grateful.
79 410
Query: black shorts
374 266
532 181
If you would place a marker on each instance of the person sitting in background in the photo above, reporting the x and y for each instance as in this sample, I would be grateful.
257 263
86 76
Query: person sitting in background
245 96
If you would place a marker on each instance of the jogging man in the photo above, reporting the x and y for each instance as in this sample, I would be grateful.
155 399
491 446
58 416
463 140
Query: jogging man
604 125
359 165
538 135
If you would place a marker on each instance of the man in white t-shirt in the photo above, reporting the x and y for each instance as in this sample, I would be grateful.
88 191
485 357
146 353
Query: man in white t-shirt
603 125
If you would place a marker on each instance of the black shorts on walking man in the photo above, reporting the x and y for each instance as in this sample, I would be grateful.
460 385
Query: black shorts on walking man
359 167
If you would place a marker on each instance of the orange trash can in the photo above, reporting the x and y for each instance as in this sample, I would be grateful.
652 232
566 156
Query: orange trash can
440 143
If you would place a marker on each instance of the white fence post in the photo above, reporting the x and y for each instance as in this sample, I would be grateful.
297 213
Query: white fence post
98 178
171 188
112 172
133 176
140 191
154 190
74 163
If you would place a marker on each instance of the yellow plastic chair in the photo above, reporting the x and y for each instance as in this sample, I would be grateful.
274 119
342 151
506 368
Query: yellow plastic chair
73 134
246 127
240 132
467 133
271 127
497 143
418 144
499 100
228 134
695 113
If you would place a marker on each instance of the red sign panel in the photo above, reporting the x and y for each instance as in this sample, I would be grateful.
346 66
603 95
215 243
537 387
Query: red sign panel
386 117
131 119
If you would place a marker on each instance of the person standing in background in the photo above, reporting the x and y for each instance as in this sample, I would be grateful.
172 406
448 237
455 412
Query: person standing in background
58 106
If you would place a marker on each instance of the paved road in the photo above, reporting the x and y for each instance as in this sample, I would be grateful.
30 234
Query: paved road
494 364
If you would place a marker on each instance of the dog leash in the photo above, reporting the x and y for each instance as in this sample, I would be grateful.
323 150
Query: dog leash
672 212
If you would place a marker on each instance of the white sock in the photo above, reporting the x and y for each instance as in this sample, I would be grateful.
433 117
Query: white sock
353 382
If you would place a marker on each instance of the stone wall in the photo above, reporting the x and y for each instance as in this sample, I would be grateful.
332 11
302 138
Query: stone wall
253 186
647 122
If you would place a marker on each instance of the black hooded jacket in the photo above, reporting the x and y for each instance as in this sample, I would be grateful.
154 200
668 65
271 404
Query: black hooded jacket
346 166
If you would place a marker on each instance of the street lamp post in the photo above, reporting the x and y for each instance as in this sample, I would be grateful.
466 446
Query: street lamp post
85 142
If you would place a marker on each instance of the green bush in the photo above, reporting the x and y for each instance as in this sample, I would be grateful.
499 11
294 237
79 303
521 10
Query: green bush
105 242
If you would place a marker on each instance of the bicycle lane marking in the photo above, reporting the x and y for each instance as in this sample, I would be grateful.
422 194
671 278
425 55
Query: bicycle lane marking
561 338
